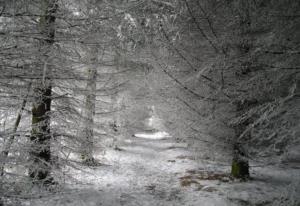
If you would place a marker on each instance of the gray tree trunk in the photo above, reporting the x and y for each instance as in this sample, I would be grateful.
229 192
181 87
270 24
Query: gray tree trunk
88 115
240 164
40 152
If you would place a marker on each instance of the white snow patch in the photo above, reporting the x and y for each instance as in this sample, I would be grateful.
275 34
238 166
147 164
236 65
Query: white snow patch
155 135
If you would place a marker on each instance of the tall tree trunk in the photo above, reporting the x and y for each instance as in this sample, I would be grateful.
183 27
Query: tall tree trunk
114 95
40 152
240 164
89 113
115 105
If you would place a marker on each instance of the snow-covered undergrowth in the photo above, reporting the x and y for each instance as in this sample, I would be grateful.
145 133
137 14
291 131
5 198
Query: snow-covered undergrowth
149 169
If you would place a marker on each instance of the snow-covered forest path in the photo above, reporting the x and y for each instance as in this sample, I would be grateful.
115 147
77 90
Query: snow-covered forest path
146 171
155 169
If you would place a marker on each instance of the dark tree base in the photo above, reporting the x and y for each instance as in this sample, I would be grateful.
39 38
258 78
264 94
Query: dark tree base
240 169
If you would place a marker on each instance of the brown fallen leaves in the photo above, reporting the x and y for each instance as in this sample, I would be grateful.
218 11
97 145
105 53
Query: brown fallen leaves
195 176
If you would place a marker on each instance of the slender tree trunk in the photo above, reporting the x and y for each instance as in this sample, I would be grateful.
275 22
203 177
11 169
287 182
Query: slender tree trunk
114 96
89 113
40 152
9 142
115 106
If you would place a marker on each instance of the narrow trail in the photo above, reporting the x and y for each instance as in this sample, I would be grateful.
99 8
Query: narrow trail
144 172
147 172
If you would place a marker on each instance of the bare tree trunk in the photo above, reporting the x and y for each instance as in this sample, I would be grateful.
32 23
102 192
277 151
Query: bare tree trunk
40 152
10 140
89 113
115 124
240 164
114 95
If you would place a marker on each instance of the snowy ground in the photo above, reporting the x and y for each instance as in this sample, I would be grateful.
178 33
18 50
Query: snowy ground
149 171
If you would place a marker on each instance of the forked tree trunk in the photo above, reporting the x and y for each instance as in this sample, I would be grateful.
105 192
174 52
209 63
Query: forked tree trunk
40 152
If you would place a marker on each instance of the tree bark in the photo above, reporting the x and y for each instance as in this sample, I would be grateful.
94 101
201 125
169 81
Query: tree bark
40 152
240 164
89 113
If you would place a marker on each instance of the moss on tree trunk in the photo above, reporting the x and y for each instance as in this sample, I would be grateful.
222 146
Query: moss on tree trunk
240 169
